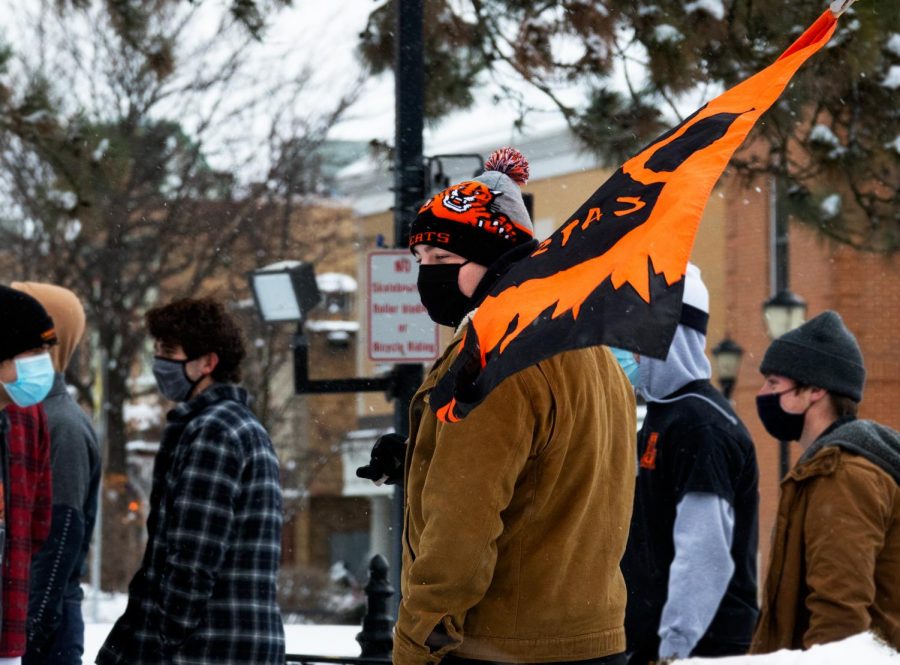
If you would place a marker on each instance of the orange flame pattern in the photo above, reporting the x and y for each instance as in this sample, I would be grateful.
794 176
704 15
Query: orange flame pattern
667 235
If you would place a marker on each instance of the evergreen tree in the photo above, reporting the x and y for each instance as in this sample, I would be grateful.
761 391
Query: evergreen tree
834 139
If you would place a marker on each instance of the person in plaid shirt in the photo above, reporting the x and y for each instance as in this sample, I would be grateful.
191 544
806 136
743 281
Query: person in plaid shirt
205 591
26 375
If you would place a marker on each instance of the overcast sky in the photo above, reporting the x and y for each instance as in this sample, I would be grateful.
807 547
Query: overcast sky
323 35
330 31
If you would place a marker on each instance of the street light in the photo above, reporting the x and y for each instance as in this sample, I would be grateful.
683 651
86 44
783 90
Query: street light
285 292
783 312
727 355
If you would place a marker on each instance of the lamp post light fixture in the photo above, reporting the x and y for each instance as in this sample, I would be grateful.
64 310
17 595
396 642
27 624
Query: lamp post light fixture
728 355
783 312
285 292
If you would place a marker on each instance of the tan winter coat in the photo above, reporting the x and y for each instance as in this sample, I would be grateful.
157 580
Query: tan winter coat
517 516
834 569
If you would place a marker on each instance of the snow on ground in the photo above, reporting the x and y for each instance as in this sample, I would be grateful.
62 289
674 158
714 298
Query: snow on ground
864 649
299 639
101 611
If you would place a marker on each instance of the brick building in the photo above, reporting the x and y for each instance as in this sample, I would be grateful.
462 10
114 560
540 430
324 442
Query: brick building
733 248
864 288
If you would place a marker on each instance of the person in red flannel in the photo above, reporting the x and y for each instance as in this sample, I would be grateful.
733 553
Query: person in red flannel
26 376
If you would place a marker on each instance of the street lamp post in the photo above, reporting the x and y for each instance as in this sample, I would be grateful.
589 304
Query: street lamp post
728 355
783 312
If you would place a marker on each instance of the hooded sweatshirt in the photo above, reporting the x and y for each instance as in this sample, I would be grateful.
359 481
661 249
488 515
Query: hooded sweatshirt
75 464
877 443
681 558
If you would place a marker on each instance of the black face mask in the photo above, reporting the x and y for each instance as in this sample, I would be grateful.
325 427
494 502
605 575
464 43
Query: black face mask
779 423
440 294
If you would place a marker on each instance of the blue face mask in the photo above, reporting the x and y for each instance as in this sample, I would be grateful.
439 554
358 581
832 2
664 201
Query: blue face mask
35 376
628 364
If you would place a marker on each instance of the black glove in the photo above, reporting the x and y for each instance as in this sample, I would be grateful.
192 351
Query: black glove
387 460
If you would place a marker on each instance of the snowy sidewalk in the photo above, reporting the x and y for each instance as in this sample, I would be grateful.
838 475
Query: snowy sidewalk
341 641
862 649
305 639
316 640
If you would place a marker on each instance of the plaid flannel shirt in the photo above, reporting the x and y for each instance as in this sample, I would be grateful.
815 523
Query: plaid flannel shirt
28 494
205 592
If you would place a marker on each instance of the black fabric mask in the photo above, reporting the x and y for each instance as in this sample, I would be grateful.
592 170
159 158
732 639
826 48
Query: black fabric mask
440 294
779 423
172 379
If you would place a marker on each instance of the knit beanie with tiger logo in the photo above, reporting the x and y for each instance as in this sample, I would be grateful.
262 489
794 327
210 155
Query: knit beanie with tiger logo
479 219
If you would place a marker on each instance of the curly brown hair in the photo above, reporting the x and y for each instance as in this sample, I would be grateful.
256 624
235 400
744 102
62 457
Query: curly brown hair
200 326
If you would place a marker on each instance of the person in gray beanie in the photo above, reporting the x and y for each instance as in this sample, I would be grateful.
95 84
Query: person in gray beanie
835 554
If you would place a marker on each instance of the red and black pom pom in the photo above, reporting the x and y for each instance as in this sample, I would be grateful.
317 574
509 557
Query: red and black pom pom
511 162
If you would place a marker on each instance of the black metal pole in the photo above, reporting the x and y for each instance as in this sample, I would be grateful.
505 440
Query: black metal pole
303 385
409 190
409 106
784 458
727 387
782 283
782 253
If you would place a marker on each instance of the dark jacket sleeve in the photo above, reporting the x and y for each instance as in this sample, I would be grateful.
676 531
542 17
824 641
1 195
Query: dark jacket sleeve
199 530
51 569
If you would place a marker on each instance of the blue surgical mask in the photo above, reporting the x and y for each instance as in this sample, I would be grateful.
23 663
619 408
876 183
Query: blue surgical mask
628 364
172 379
35 376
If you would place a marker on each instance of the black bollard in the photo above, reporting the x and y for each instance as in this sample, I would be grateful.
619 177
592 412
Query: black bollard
376 637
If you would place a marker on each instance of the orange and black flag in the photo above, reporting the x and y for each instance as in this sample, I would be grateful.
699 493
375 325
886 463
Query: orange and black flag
613 273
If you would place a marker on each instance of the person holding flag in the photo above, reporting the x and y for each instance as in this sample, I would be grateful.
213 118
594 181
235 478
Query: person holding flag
516 517
519 468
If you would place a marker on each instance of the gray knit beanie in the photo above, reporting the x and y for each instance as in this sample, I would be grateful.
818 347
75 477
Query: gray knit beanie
821 353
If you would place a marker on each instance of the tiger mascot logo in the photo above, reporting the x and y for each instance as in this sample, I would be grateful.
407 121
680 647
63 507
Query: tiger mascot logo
470 202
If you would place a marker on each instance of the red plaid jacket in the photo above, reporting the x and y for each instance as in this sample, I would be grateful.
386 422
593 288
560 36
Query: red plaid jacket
28 510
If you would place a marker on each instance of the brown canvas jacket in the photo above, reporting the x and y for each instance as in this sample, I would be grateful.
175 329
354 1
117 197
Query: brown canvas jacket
835 561
517 516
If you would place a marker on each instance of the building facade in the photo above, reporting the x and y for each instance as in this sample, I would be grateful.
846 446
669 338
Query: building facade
734 250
